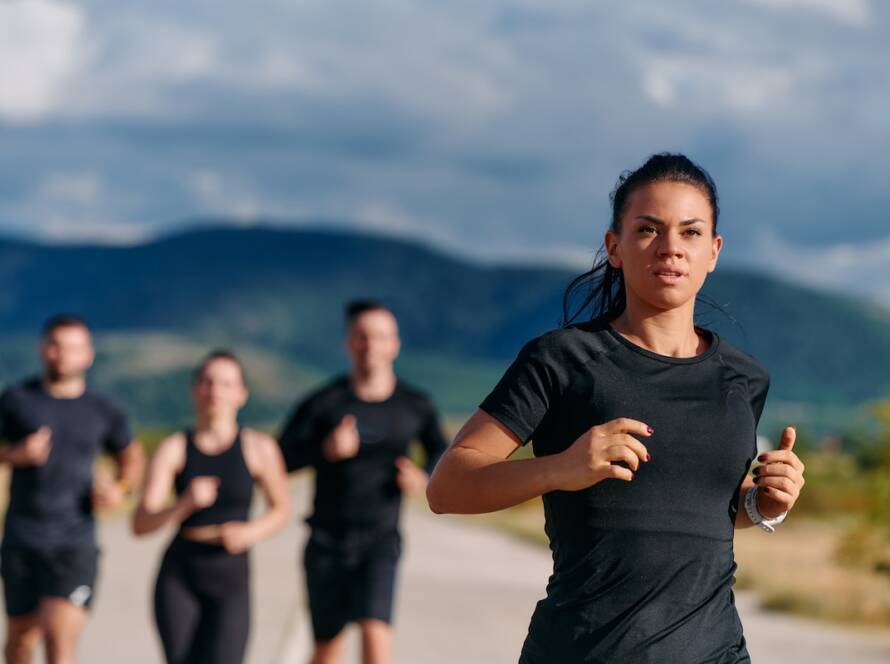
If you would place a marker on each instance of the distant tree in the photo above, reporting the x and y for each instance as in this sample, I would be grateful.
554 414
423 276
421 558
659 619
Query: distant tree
880 494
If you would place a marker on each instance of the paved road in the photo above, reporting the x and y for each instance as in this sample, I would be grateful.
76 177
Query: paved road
465 597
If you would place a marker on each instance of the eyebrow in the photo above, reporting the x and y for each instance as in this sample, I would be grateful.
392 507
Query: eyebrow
656 220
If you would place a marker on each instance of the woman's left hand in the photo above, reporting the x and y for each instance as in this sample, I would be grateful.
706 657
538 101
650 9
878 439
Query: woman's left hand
780 477
236 536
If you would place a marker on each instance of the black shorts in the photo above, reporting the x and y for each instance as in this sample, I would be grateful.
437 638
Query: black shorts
30 575
350 578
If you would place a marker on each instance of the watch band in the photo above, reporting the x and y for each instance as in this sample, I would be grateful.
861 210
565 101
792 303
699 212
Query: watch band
768 525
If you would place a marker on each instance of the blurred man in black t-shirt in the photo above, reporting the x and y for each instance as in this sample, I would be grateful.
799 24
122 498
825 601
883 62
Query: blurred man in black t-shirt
54 428
356 432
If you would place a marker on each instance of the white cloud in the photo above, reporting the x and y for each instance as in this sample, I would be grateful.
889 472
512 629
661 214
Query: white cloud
215 195
428 60
659 88
855 13
860 270
708 85
493 128
232 198
425 58
83 189
75 206
42 48
67 230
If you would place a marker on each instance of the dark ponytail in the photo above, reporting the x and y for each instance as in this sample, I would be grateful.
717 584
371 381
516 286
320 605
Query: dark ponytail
601 289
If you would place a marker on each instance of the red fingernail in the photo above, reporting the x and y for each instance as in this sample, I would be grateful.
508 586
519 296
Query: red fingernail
650 429
648 457
762 457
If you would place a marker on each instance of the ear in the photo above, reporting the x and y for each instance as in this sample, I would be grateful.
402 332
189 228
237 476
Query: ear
716 247
611 244
92 357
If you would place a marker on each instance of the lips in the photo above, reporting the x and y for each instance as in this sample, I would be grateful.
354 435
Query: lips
669 275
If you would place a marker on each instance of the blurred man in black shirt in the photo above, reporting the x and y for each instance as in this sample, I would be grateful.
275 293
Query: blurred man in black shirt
55 428
356 432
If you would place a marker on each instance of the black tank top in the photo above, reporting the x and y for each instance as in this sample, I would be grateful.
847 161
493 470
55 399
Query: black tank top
235 485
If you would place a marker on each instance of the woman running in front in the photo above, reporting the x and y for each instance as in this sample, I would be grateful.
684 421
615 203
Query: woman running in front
202 594
643 428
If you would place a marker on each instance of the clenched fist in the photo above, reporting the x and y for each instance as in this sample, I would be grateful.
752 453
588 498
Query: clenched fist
343 442
33 450
201 492
780 477
596 454
412 480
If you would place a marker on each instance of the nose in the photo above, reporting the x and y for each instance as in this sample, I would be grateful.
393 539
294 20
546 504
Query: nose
670 246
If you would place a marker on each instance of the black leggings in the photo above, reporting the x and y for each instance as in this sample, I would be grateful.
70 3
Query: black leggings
202 604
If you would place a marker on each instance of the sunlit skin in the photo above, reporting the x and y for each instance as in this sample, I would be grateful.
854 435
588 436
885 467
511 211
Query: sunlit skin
665 246
218 393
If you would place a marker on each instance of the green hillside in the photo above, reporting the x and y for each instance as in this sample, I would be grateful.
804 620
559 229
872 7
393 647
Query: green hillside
276 296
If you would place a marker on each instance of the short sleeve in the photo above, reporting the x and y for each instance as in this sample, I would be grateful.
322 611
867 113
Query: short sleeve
526 391
758 387
431 436
119 436
301 437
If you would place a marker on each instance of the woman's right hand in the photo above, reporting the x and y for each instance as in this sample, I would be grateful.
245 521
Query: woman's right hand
595 455
202 491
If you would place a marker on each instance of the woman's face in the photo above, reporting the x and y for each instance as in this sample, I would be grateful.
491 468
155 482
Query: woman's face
666 246
220 390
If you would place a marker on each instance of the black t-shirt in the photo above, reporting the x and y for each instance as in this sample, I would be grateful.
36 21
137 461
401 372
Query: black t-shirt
50 506
642 570
360 492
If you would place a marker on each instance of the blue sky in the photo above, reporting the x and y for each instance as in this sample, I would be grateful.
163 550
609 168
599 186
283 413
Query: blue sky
494 129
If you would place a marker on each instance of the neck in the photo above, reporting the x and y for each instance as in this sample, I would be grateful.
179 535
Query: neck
669 332
373 385
64 387
222 427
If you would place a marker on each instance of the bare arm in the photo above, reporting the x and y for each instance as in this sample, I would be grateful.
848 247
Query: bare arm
475 475
152 513
110 493
130 465
266 463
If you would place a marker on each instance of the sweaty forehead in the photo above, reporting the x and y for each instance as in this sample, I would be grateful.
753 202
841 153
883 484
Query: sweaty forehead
669 202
